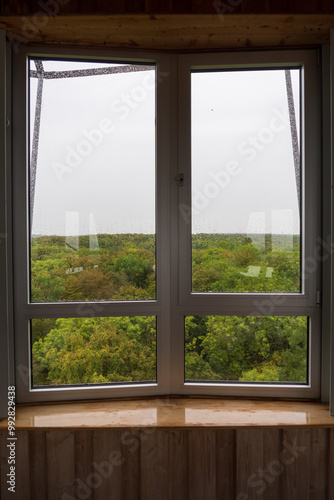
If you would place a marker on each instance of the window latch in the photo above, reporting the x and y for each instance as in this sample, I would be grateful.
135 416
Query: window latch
180 180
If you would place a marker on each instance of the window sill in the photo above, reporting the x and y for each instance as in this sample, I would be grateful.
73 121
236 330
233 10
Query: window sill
173 412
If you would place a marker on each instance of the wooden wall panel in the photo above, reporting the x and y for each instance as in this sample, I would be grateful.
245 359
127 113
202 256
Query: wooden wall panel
296 478
272 466
22 465
325 6
37 465
107 7
310 7
17 7
178 465
129 471
135 6
172 464
60 470
158 6
249 453
107 461
225 464
318 458
154 466
202 464
3 466
83 456
330 475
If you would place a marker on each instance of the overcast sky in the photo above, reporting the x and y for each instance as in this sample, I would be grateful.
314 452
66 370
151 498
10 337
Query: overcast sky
96 158
241 118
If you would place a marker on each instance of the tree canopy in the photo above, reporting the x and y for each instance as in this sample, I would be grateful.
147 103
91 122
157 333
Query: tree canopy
92 350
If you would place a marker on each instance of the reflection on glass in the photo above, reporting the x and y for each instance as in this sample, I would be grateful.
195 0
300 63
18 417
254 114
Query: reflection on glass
246 348
92 181
246 179
76 351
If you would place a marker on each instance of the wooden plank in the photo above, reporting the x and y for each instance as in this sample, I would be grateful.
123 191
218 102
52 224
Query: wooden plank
107 7
159 6
201 7
83 457
254 6
116 464
154 465
272 465
15 7
19 7
325 6
107 462
4 467
178 464
318 458
85 7
70 7
330 471
60 464
202 464
130 469
135 6
277 7
295 456
225 464
37 465
249 460
129 442
309 7
22 464
184 7
176 32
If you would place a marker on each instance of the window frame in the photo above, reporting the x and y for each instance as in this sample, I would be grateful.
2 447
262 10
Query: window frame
297 304
309 160
174 301
24 311
7 370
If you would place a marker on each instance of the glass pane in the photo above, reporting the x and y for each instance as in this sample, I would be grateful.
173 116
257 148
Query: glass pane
92 181
71 351
246 348
246 179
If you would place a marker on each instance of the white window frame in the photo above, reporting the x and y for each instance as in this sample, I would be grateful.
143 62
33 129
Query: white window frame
24 311
243 304
174 298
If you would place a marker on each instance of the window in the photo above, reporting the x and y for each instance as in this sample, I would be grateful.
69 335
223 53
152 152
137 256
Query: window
165 225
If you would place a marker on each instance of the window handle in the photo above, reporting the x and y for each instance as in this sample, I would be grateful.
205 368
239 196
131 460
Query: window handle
180 179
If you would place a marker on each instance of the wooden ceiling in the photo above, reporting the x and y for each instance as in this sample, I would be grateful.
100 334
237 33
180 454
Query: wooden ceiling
169 25
63 7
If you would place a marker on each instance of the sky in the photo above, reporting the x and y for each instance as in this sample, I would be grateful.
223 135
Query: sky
241 133
96 156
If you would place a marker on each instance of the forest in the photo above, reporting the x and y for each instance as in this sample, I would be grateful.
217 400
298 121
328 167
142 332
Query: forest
95 350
